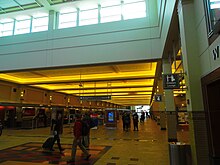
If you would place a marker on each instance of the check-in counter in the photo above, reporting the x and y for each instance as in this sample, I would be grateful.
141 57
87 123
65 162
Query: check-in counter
28 117
28 122
101 120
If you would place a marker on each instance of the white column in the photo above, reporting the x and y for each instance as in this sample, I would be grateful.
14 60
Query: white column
192 69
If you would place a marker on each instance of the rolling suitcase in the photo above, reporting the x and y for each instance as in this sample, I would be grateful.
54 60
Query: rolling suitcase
48 143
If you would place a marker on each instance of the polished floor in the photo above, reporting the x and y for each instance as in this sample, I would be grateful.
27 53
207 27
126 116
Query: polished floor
148 146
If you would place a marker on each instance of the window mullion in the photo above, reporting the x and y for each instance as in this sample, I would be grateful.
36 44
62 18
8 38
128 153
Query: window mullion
13 30
122 4
31 24
77 18
99 13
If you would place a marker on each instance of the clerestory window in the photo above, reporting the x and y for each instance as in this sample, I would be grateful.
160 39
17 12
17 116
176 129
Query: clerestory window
88 17
110 11
67 18
212 16
132 9
6 27
40 22
22 25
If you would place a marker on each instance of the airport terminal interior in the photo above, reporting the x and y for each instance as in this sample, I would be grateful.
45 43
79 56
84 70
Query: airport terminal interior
110 59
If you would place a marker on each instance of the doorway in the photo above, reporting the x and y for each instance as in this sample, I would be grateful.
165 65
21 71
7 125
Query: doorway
211 95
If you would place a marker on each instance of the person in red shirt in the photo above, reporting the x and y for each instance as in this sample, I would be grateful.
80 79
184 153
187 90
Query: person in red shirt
77 141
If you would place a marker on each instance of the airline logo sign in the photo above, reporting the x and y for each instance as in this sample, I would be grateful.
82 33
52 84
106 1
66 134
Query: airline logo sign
158 98
215 53
171 81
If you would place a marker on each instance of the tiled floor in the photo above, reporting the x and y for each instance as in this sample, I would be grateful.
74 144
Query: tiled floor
148 146
33 153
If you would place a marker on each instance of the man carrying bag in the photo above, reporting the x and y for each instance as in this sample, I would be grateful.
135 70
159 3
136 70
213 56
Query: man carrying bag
77 141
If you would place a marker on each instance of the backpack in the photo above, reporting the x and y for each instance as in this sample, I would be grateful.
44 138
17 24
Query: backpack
92 123
85 128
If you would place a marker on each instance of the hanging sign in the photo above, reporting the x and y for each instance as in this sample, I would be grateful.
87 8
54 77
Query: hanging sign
158 98
171 81
95 98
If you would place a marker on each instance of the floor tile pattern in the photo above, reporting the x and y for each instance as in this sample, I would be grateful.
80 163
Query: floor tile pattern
33 153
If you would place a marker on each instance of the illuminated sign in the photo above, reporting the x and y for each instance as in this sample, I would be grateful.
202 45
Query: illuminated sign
171 81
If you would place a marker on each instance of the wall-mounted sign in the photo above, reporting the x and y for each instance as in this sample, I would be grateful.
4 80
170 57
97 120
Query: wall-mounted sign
171 81
157 98
215 53
95 98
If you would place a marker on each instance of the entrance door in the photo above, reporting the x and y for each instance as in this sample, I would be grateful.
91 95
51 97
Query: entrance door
211 93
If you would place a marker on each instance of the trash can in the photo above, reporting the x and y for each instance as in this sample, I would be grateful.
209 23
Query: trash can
180 154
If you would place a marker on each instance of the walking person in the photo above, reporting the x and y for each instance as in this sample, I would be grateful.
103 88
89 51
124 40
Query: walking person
56 129
87 124
1 127
127 121
135 121
142 117
77 141
123 120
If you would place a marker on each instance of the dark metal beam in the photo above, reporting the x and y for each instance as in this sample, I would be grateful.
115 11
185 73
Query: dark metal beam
107 88
91 80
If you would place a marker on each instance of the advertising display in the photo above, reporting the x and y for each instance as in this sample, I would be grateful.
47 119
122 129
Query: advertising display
110 118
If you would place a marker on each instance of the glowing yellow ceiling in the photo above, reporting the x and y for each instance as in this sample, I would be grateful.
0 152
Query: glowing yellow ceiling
128 84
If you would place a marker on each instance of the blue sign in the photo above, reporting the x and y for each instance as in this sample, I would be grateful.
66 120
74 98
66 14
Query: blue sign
111 116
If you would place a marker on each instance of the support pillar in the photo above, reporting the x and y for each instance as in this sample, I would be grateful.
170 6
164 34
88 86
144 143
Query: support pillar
52 20
170 106
197 123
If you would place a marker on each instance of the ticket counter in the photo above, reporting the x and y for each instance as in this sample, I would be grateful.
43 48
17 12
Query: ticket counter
28 120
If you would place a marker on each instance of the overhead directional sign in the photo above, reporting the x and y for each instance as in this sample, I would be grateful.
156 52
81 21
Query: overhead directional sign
171 81
158 98
95 98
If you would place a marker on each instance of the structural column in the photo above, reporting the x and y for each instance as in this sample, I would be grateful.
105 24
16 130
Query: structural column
170 106
190 56
161 106
52 20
